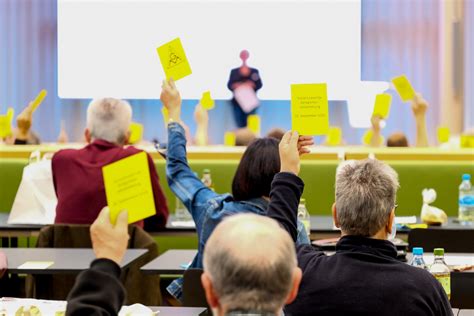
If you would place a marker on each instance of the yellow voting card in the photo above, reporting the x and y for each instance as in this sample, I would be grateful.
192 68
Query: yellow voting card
38 100
334 137
128 187
253 124
229 139
382 105
173 59
6 124
165 114
11 113
206 101
467 141
309 109
443 134
136 133
404 88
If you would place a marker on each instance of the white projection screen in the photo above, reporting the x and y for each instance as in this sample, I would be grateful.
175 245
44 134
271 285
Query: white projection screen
108 47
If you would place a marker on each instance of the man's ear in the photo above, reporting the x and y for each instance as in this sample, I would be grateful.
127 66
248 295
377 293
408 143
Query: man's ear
211 296
334 216
297 275
88 136
389 225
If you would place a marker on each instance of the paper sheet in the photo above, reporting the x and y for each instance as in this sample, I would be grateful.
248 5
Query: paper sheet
443 134
229 139
246 97
174 60
309 109
404 88
36 265
128 187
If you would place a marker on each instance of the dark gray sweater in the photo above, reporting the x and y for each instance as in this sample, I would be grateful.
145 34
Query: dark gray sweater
362 278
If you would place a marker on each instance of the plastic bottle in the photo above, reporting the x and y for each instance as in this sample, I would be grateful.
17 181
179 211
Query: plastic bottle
181 212
206 178
417 260
303 216
441 271
466 201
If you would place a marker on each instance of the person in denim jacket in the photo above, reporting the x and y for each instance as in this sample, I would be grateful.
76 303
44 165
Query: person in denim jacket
250 187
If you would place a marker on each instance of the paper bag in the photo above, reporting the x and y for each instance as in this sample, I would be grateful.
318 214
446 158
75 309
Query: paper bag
35 201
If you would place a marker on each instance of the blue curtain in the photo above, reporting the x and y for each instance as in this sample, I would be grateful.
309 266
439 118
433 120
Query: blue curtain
398 36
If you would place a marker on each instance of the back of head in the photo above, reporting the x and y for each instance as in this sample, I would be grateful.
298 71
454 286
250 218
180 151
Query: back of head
257 167
109 119
250 260
276 133
244 136
365 196
397 139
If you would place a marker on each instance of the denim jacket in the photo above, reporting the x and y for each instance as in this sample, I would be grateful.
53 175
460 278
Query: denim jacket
206 206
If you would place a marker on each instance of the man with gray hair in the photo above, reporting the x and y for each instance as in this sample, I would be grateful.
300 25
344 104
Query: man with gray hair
249 267
364 276
77 173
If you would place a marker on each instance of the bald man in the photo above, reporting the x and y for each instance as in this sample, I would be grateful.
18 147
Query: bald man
249 267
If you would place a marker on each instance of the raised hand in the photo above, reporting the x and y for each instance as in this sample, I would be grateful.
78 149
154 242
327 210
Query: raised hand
289 154
171 99
109 241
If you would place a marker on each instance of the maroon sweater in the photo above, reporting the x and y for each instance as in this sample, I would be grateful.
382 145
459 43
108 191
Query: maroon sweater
79 185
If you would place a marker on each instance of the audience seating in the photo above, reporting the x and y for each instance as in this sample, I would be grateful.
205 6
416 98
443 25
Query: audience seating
193 292
144 289
444 177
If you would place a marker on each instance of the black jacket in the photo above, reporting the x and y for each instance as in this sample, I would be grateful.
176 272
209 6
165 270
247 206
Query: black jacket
97 291
362 278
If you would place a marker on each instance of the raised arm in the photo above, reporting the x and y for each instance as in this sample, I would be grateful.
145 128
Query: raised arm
181 179
98 290
419 107
287 187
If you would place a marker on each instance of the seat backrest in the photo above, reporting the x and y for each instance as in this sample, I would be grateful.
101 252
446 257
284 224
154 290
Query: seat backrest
452 240
140 288
193 292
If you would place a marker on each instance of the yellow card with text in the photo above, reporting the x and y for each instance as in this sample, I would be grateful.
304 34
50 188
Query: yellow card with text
404 88
382 105
253 124
128 187
39 99
309 109
443 134
334 137
229 139
206 101
136 133
173 59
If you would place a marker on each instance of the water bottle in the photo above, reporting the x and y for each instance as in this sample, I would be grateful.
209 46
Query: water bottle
440 270
418 260
466 201
303 216
206 178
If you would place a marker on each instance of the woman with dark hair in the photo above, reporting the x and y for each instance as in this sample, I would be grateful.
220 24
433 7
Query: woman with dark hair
250 187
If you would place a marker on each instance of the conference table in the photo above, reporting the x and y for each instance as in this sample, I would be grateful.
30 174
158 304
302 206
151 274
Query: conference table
176 261
322 227
58 260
